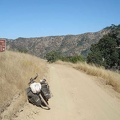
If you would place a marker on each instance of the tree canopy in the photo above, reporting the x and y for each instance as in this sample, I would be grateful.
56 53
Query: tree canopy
106 52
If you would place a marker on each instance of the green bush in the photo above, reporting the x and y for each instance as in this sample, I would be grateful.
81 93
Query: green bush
73 59
54 56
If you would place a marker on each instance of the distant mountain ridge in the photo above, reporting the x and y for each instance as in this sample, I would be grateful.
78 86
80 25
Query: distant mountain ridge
68 45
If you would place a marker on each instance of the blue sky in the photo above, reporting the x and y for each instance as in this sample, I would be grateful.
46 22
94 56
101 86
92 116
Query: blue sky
37 18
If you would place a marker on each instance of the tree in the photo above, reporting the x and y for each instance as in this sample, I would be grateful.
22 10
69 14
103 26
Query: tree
52 56
104 52
95 56
107 46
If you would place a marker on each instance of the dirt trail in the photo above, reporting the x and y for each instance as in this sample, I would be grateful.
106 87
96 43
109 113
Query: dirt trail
75 97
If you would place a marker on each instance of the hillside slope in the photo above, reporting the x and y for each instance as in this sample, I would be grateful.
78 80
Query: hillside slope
15 71
75 97
68 44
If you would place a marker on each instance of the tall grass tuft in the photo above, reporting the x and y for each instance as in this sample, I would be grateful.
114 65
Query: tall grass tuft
112 78
15 71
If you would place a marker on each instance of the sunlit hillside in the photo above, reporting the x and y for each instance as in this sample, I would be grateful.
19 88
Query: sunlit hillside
15 71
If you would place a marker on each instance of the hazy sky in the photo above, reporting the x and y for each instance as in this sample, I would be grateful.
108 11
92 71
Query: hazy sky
37 18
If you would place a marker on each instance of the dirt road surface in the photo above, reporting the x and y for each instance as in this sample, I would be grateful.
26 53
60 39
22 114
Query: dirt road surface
75 97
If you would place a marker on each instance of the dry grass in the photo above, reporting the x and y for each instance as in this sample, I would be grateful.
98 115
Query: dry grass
15 71
110 77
